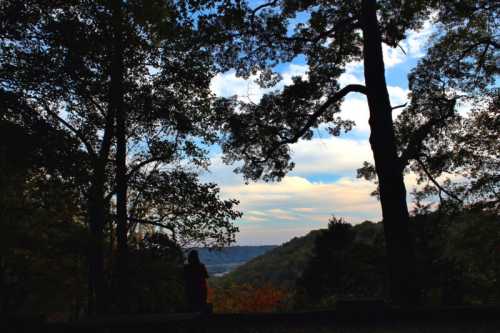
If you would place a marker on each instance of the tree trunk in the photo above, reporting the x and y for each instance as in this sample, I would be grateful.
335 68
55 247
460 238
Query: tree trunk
399 244
97 212
97 297
117 77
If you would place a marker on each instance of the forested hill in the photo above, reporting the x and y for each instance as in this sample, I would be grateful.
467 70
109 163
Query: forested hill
282 265
232 254
220 262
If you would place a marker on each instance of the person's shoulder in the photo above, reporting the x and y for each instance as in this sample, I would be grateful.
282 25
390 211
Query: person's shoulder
204 269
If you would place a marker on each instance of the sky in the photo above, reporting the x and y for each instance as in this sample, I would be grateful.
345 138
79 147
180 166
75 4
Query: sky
323 182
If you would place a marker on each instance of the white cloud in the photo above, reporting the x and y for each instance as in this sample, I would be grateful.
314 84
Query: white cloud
415 45
296 205
292 71
228 84
333 155
417 41
398 95
276 201
275 212
392 56
353 74
356 109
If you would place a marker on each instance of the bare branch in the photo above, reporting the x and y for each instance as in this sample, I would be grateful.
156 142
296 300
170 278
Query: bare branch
399 106
431 178
314 117
322 109
414 146
264 5
153 223
402 50
75 131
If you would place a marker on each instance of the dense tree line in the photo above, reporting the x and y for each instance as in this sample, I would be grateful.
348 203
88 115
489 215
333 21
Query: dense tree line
127 85
458 261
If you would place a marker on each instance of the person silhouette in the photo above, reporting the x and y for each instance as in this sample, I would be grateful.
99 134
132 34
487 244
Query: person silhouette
195 276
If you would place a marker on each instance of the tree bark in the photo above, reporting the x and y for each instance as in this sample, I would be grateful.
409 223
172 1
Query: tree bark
399 245
98 299
117 102
97 302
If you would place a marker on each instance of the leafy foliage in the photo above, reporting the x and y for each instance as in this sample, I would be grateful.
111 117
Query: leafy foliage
328 35
457 262
59 65
247 298
341 267
42 219
448 134
156 263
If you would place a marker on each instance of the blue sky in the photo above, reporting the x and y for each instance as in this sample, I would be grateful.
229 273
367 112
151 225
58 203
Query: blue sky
323 182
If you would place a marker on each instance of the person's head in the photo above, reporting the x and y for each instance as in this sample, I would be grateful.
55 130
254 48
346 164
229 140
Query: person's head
193 257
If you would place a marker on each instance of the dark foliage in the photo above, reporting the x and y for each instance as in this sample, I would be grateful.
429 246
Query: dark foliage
126 83
342 266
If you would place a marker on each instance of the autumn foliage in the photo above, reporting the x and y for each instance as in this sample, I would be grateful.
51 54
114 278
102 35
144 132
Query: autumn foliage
247 298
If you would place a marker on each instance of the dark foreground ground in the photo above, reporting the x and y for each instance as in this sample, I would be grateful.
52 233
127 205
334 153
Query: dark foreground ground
347 320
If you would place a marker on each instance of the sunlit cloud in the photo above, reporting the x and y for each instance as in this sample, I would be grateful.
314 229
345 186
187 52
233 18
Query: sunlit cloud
228 84
296 205
414 46
332 155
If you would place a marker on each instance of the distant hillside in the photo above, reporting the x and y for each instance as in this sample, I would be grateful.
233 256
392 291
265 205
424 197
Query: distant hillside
282 265
224 260
279 266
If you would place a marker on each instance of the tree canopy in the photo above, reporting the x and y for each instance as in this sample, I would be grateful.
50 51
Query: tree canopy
128 83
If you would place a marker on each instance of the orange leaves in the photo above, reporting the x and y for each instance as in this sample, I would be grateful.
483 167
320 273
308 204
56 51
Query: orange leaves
247 298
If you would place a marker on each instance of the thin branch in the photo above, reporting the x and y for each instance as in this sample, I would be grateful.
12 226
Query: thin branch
403 50
142 164
441 189
264 5
415 143
331 100
153 223
346 24
75 131
399 106
96 105
314 117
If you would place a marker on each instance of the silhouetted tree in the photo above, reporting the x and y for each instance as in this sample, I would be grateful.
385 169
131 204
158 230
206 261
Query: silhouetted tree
158 281
343 264
325 274
329 34
451 126
137 71
43 240
189 212
436 133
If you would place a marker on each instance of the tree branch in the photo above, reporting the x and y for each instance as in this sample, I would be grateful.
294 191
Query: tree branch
331 100
415 143
314 117
153 223
399 106
264 5
75 131
431 178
